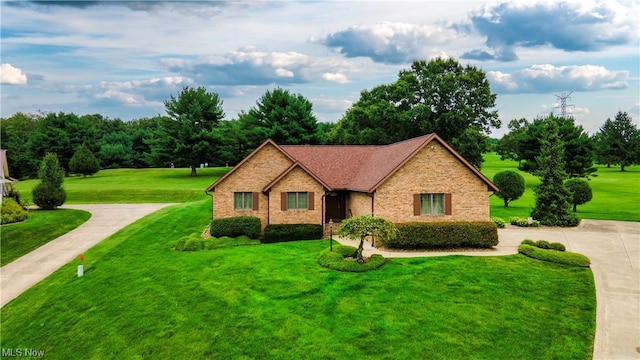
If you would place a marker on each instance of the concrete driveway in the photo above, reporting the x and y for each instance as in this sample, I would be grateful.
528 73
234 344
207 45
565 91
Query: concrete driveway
614 250
26 271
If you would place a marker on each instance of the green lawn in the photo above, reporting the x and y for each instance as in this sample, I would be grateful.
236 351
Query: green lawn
134 186
616 194
140 299
41 227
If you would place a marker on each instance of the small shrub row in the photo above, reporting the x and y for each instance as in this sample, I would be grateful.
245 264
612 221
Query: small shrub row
12 212
342 258
291 232
236 226
523 222
498 221
446 235
559 257
195 242
543 244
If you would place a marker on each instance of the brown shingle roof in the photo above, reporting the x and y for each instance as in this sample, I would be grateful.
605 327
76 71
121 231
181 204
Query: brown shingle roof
356 167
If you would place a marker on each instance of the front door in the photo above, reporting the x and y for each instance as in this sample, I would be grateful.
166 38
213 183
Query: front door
335 206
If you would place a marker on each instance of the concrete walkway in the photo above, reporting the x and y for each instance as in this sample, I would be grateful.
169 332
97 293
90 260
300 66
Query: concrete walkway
614 250
28 270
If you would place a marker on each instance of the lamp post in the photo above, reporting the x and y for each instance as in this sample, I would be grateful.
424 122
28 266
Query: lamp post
330 234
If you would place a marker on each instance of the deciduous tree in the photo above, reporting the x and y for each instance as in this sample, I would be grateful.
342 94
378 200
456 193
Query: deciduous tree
511 185
440 96
359 227
579 192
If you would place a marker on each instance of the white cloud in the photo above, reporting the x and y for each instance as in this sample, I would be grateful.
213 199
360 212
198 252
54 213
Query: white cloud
389 42
549 78
12 75
335 77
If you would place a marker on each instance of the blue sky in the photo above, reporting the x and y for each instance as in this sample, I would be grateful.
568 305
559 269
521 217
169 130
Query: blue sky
122 59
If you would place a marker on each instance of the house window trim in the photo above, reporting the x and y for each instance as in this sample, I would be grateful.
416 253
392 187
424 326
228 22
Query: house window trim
417 204
284 200
249 203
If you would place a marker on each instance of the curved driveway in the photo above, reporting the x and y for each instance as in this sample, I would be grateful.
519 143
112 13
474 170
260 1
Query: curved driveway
614 250
613 246
28 270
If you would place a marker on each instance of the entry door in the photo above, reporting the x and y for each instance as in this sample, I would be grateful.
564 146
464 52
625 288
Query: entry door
335 207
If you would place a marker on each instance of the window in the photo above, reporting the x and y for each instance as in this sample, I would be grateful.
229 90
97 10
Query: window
431 204
243 201
297 200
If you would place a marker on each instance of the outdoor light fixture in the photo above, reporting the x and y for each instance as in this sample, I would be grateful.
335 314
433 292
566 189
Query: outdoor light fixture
330 234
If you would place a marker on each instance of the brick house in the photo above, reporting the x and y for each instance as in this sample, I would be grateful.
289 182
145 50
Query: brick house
420 179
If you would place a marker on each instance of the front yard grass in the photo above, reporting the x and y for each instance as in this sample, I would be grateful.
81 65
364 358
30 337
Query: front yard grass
40 227
139 298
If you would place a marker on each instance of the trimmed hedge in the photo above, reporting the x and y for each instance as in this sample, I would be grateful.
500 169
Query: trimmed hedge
236 226
523 222
558 257
291 232
12 212
342 258
498 221
445 235
543 244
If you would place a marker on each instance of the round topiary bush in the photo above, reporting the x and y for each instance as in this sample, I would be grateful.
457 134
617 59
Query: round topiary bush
343 258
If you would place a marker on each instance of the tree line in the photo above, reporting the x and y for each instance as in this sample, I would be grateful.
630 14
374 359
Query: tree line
440 96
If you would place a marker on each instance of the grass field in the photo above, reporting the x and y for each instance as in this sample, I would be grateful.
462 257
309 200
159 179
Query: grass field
134 186
41 227
140 299
616 194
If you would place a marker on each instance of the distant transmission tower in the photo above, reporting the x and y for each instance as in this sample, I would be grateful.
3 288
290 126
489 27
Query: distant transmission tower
562 104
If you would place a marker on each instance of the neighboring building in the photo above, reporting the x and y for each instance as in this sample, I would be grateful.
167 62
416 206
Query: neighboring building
5 179
420 179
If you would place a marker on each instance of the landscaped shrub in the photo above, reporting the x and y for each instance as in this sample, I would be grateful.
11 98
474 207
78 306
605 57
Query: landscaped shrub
529 242
447 235
557 246
291 232
12 212
192 242
543 244
498 221
225 241
523 222
195 242
236 226
342 258
559 257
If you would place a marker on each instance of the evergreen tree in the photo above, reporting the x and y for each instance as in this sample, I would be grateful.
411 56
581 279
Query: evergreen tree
49 194
84 162
552 197
618 142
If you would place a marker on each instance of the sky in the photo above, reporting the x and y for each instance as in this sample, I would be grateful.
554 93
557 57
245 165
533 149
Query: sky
123 59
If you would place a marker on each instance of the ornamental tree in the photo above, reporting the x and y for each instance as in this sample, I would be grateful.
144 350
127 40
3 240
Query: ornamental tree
511 185
358 228
579 191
